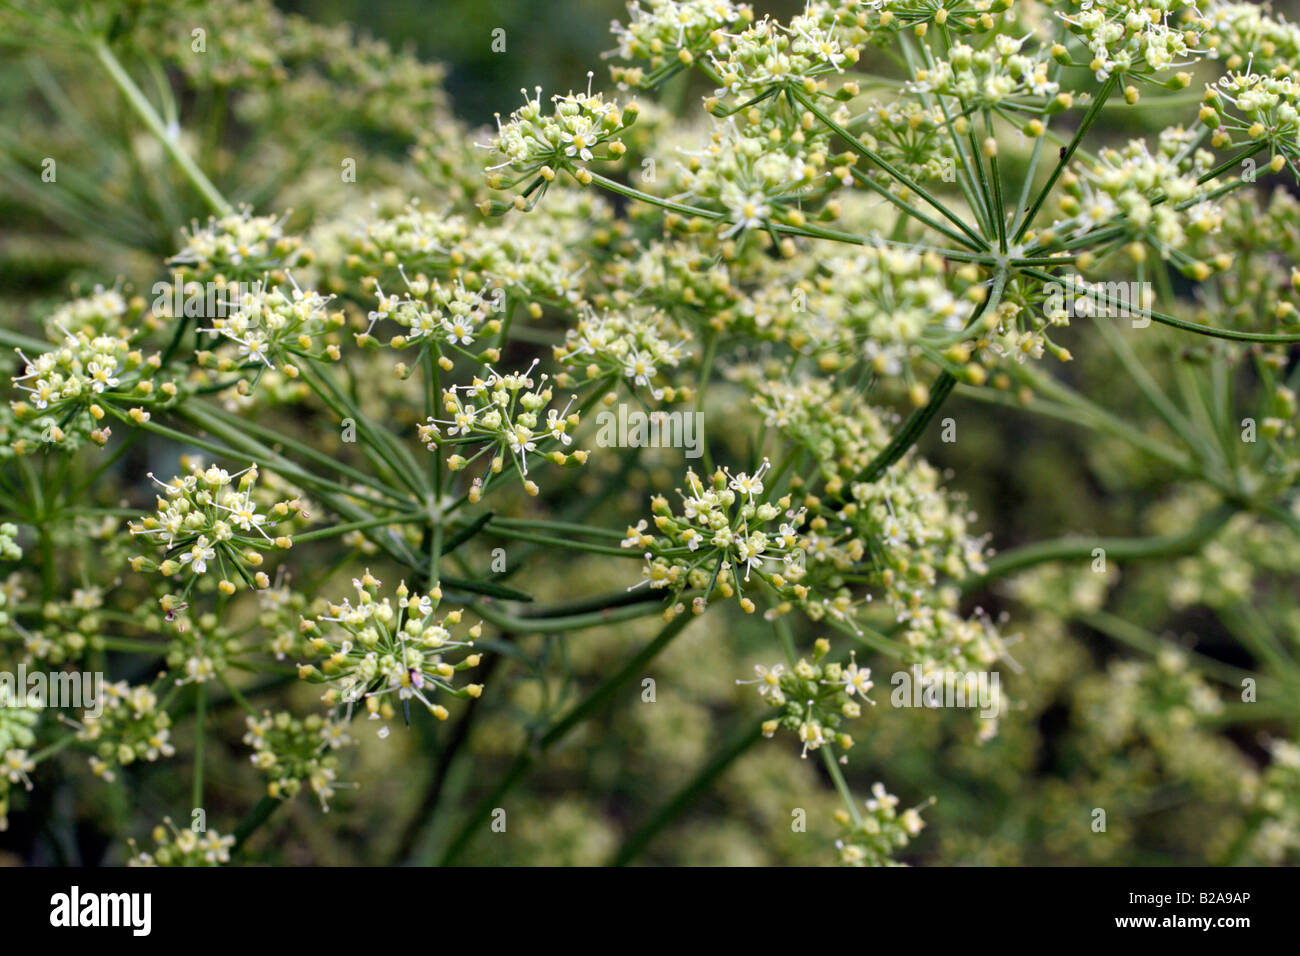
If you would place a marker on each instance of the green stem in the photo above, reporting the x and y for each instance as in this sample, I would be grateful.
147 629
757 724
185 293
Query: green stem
144 109
259 814
1143 640
559 730
563 622
1081 412
837 777
1151 391
687 796
410 518
1177 323
857 146
911 430
943 386
1089 118
200 733
612 551
568 526
1117 549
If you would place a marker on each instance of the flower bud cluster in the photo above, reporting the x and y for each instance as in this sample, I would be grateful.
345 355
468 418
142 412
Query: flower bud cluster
291 751
988 77
174 847
722 537
371 649
16 739
633 345
874 839
503 413
669 33
133 726
1137 38
270 325
239 247
72 385
814 698
211 520
581 128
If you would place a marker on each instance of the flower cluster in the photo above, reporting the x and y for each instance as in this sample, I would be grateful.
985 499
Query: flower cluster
581 128
16 737
449 315
911 137
902 535
881 303
70 628
768 53
417 239
210 517
989 77
133 725
814 697
371 649
202 650
281 610
1161 701
1137 38
676 276
15 766
271 323
183 848
740 174
504 412
633 345
873 839
673 33
721 538
78 380
1152 199
1241 33
291 751
239 247
1275 799
1257 108
103 312
9 548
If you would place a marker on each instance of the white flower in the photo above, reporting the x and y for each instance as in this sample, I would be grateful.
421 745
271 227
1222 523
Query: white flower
199 555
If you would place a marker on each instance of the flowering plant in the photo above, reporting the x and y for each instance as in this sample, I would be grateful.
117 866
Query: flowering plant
879 209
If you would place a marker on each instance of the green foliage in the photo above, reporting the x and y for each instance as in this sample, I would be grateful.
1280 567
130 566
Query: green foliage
358 341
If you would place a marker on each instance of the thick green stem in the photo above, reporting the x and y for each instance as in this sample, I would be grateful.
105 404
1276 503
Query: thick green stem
253 820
